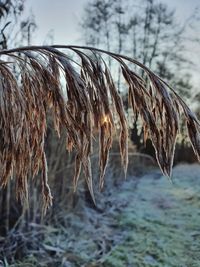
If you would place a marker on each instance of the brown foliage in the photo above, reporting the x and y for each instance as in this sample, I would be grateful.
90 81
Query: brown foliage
90 102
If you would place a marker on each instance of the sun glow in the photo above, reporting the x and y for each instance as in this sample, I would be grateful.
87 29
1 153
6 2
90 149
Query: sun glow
105 119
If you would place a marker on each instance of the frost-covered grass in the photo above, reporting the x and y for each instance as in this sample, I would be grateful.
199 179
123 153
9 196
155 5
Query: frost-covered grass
162 222
143 222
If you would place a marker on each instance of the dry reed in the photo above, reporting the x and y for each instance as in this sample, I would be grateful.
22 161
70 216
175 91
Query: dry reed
89 102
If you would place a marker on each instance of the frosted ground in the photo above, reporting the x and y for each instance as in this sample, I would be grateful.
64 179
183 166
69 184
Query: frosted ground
142 222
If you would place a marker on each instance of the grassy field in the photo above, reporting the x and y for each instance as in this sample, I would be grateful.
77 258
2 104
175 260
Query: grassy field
142 222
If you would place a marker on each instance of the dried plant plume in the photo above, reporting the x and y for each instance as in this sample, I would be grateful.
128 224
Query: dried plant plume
31 81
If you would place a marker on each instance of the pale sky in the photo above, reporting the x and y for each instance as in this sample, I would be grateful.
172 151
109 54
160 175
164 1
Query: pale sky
63 17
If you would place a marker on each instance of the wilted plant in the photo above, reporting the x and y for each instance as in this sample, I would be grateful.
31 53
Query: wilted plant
89 102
